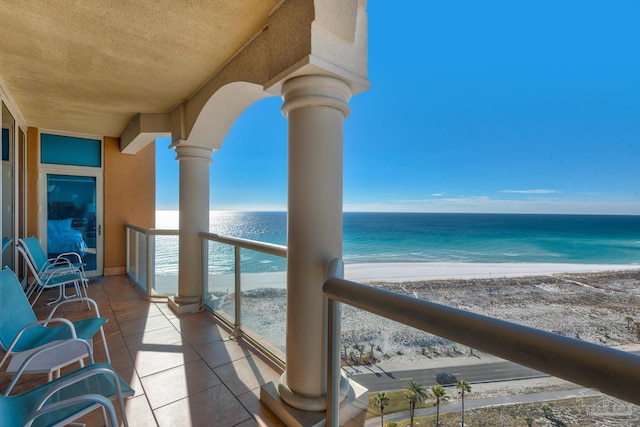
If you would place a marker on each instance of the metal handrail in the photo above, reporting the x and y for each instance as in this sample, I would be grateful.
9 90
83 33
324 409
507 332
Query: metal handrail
153 231
611 371
254 245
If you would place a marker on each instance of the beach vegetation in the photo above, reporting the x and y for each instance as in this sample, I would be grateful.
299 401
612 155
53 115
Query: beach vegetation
463 388
397 403
416 393
440 395
564 412
380 400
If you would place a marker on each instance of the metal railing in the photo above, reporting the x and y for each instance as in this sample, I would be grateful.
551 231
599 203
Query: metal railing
611 371
141 257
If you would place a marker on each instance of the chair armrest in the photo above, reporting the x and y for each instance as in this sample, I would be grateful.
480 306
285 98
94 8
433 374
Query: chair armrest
78 299
56 266
68 255
45 323
43 350
98 400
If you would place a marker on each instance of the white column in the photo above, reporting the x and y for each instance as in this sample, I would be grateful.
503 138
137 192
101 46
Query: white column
316 107
194 217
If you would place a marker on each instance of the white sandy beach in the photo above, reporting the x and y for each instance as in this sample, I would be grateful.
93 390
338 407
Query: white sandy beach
420 271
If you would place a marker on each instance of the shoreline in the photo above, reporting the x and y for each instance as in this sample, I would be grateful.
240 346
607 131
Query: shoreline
407 272
424 271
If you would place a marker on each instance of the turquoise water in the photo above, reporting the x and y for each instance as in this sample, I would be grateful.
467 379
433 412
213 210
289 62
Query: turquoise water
424 237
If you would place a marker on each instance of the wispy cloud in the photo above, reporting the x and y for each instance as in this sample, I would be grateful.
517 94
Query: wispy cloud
538 191
437 194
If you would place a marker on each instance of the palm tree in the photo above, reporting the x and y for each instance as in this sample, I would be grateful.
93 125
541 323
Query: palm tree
379 401
464 388
440 394
415 393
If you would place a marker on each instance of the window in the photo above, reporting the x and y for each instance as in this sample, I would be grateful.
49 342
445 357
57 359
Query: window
71 151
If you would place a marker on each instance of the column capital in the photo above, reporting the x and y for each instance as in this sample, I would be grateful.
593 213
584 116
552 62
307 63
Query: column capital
193 152
316 91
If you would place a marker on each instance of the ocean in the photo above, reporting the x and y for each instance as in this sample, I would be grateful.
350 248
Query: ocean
426 237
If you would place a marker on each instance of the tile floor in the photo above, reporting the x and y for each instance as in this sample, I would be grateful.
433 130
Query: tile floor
185 369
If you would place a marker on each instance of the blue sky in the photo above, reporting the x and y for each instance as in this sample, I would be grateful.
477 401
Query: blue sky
493 106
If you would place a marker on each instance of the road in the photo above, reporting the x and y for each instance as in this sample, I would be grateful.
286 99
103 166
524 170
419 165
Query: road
482 372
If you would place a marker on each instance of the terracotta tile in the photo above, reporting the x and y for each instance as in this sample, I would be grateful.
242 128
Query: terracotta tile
163 357
143 324
222 352
245 375
186 322
215 406
262 416
152 338
207 334
139 414
177 383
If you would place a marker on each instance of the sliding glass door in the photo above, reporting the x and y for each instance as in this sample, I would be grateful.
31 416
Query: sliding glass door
73 220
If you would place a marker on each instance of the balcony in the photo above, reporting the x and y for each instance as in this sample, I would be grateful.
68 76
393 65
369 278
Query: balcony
191 369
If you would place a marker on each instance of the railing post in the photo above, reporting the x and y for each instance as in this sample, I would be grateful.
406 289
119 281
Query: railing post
336 270
151 263
137 257
205 271
128 249
238 322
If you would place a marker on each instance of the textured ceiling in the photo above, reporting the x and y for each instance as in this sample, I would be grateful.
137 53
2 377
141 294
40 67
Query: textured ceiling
91 65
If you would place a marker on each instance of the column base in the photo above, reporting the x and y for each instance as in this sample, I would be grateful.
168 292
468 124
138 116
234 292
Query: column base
182 307
353 408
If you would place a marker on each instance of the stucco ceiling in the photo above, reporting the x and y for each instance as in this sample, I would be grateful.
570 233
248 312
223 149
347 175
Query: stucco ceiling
91 65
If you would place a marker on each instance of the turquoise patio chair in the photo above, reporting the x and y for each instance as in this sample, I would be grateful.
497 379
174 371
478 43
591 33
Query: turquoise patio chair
63 400
20 330
32 250
54 276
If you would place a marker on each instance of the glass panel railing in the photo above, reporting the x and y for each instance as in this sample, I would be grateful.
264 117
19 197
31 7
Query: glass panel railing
245 286
152 260
220 294
136 267
165 261
264 296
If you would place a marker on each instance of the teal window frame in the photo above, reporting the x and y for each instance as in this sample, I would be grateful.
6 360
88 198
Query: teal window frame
70 150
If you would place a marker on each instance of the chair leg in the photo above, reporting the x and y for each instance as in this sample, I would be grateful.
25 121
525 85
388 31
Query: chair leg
104 343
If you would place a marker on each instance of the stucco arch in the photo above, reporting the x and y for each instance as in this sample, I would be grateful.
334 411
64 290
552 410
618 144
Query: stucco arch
220 112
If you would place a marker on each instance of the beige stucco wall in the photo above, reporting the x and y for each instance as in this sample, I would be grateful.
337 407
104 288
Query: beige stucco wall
129 197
